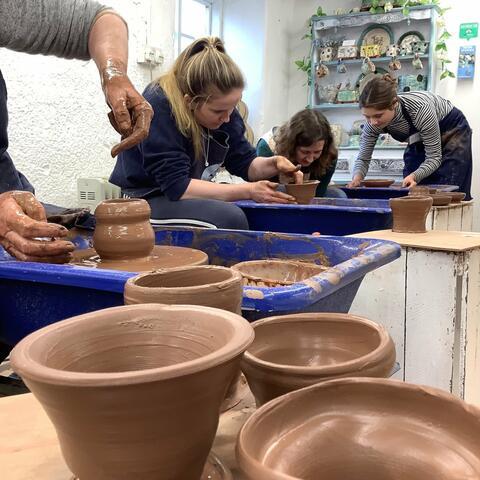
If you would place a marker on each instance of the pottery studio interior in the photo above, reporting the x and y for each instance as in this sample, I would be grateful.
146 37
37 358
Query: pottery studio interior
239 240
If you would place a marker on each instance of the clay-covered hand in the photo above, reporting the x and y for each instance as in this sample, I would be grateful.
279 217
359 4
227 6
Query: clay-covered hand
131 114
265 191
25 233
356 182
286 168
409 181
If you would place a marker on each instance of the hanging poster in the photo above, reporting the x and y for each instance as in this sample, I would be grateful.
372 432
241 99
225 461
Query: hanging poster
466 62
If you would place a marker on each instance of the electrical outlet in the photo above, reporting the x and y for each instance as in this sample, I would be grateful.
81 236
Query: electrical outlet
149 55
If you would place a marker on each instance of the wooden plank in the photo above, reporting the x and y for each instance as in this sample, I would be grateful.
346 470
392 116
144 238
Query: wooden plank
455 218
29 449
430 317
429 224
381 298
467 216
431 240
472 347
440 218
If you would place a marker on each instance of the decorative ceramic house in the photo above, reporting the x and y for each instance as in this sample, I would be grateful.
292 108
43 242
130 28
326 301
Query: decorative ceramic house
393 51
420 47
327 54
345 52
370 51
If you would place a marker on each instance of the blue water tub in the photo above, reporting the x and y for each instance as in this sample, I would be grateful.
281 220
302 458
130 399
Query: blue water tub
329 216
391 192
33 295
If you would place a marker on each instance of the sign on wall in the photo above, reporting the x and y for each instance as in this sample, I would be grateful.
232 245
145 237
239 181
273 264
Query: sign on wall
466 62
468 30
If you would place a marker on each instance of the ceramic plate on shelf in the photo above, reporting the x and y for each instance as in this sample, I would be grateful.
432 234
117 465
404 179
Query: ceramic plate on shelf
380 35
407 39
378 71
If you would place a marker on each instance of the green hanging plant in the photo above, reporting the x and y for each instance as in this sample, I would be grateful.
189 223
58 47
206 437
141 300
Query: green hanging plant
305 65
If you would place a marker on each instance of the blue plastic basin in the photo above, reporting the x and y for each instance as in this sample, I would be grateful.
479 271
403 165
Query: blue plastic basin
33 295
390 192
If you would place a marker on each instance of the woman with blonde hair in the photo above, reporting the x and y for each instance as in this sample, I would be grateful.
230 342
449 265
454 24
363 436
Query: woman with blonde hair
196 130
306 140
439 137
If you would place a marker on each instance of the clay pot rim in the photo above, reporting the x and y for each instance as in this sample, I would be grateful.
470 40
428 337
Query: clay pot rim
241 337
368 359
236 276
306 182
246 460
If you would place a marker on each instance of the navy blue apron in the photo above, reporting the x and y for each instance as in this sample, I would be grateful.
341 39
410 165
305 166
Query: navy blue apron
456 138
10 177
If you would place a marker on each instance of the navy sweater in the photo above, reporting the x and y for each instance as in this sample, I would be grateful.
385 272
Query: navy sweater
165 163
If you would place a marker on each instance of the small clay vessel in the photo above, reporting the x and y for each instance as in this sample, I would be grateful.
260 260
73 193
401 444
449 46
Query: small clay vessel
276 273
209 285
410 213
377 182
457 197
441 199
363 429
293 351
134 391
123 229
419 190
303 192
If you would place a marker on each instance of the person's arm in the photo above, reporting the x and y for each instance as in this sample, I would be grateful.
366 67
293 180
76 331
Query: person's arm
325 180
368 140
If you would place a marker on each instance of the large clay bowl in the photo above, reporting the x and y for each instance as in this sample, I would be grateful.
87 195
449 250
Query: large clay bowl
410 213
362 429
134 391
293 351
303 192
441 199
457 197
377 182
276 273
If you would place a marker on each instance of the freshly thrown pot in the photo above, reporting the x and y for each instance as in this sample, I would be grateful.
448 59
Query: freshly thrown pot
441 199
123 229
362 429
134 391
377 182
420 190
276 273
303 192
457 197
209 285
293 351
410 213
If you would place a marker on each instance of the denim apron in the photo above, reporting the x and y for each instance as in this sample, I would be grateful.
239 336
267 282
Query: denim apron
456 138
10 177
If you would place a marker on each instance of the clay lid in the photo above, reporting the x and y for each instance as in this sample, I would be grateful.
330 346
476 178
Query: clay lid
362 428
377 182
318 344
79 350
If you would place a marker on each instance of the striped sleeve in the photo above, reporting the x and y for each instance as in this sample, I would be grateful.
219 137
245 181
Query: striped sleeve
427 124
367 144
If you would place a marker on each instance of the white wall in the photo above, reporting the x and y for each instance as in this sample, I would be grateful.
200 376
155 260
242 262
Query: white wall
58 126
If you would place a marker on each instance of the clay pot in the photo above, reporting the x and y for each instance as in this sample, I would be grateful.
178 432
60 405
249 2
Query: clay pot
303 192
419 190
276 273
410 213
457 197
441 199
210 286
134 391
123 229
362 428
379 183
293 351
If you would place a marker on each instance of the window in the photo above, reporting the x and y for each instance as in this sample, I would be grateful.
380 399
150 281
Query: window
193 20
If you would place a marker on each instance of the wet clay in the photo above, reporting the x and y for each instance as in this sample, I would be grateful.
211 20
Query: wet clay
294 351
362 429
276 273
161 257
419 190
377 182
303 192
410 213
441 199
151 377
210 286
457 197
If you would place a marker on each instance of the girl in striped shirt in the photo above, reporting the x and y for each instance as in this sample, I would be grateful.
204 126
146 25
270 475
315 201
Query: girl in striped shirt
439 137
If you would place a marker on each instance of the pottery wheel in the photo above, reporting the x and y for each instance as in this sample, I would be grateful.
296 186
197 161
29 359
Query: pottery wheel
161 257
214 470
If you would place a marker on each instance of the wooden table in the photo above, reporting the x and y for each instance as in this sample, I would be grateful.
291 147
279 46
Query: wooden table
29 448
429 299
453 217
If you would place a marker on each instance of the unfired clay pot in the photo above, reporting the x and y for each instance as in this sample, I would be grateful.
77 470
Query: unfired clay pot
362 429
134 391
419 190
293 351
209 285
441 199
123 229
377 182
457 197
276 273
303 192
410 213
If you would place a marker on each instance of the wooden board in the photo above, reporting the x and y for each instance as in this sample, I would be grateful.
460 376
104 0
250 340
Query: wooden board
431 240
29 448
